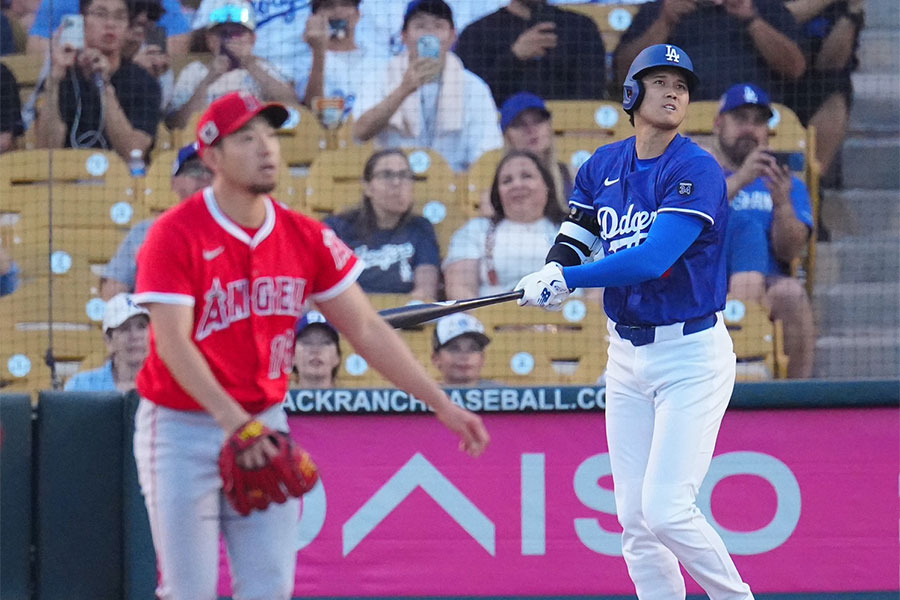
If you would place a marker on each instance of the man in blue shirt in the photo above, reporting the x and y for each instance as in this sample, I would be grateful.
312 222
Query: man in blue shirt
770 221
126 331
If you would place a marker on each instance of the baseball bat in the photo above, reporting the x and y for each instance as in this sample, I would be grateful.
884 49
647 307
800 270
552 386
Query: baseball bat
416 314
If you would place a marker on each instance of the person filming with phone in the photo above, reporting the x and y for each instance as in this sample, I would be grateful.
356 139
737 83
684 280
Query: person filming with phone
427 98
230 33
769 222
92 96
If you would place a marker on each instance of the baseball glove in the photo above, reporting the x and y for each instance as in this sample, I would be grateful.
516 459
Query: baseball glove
291 472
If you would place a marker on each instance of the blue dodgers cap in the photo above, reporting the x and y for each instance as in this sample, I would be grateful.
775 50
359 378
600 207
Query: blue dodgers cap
437 8
186 154
742 94
317 319
516 104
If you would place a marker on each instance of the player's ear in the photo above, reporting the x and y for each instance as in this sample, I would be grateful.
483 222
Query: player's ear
212 156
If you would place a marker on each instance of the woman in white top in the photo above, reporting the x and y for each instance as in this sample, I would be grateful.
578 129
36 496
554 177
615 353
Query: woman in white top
487 255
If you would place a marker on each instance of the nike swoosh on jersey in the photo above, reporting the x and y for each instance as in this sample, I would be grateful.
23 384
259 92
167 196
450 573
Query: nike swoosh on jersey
211 254
608 183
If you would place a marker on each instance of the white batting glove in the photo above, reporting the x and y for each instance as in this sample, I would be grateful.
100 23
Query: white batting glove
546 288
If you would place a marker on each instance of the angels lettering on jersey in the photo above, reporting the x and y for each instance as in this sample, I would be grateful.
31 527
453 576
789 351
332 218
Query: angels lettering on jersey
236 300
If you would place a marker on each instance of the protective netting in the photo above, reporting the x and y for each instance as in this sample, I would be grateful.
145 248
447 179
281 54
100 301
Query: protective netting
91 156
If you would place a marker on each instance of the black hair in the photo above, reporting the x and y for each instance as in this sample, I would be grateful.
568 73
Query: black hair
363 216
153 8
552 209
315 5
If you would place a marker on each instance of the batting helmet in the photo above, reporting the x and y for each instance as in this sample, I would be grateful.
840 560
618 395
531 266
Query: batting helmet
660 55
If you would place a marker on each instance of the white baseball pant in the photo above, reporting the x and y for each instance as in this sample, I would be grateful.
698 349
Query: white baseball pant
664 404
177 456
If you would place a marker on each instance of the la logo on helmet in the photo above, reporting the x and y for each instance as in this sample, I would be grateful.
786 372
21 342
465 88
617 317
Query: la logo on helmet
672 54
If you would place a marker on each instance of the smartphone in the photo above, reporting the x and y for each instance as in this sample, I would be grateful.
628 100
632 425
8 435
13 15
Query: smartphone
795 161
72 32
429 46
337 28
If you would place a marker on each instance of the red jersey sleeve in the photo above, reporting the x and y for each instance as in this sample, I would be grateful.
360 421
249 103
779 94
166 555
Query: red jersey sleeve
339 266
164 271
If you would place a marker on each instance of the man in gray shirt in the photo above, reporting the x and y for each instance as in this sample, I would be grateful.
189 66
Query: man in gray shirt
189 175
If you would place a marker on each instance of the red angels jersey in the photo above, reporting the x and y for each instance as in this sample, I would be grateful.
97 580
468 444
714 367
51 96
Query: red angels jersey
247 293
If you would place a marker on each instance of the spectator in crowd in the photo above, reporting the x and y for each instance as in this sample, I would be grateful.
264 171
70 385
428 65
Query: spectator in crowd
399 249
147 47
51 12
527 125
9 273
769 222
11 126
189 175
229 27
93 97
490 255
126 331
728 40
339 67
21 15
529 45
317 355
459 343
822 97
429 101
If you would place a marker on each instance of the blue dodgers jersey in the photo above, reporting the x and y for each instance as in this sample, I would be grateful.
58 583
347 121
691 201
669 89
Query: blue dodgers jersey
625 201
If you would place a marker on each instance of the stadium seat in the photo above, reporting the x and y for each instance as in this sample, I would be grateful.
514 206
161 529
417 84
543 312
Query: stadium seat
589 117
27 70
612 20
535 347
758 342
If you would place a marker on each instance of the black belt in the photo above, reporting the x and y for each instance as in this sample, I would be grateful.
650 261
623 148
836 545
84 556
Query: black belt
643 335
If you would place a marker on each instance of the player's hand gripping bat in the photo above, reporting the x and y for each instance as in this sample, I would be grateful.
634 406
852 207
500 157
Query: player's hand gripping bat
416 314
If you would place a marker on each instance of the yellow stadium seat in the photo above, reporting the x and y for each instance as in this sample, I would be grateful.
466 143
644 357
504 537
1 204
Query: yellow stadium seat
535 347
592 117
27 70
758 342
612 20
479 179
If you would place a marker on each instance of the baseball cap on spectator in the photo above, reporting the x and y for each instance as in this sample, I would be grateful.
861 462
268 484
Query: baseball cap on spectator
231 112
437 8
315 319
517 104
119 309
315 5
451 327
742 94
185 155
219 12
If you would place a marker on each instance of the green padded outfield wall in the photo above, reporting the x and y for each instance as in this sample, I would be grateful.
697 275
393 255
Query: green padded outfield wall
15 497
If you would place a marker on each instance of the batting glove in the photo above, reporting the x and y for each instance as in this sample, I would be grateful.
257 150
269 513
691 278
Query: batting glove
546 288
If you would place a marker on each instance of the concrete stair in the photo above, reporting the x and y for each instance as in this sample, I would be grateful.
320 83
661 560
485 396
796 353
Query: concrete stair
857 287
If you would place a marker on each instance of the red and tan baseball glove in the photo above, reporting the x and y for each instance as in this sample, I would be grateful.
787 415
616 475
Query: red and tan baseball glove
291 472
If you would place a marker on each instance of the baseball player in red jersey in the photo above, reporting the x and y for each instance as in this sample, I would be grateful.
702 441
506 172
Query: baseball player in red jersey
225 276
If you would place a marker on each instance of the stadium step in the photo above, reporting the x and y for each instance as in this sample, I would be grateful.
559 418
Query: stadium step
856 259
851 306
876 105
875 353
878 50
855 212
871 163
882 14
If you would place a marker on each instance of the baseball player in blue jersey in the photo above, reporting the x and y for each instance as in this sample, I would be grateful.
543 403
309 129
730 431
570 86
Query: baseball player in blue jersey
655 204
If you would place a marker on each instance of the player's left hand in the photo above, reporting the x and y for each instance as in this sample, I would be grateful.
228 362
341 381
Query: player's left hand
546 288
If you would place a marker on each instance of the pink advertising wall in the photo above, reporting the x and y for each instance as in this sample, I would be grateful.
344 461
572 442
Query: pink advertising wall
806 500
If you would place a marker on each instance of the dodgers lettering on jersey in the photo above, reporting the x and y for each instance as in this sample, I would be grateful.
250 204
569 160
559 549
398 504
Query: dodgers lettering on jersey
247 294
626 200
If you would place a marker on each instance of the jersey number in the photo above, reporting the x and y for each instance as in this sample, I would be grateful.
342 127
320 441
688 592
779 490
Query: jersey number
281 354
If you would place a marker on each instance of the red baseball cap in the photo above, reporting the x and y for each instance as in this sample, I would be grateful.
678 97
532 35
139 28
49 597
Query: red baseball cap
231 112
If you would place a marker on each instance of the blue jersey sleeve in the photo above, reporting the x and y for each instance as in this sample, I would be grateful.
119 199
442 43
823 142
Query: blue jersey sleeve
800 200
695 186
669 237
173 20
582 196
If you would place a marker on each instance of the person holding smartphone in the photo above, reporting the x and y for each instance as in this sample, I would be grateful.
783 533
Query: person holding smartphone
338 66
94 97
529 45
770 220
230 33
427 98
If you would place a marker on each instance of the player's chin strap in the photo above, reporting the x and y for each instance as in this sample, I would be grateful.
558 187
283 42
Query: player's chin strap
578 239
